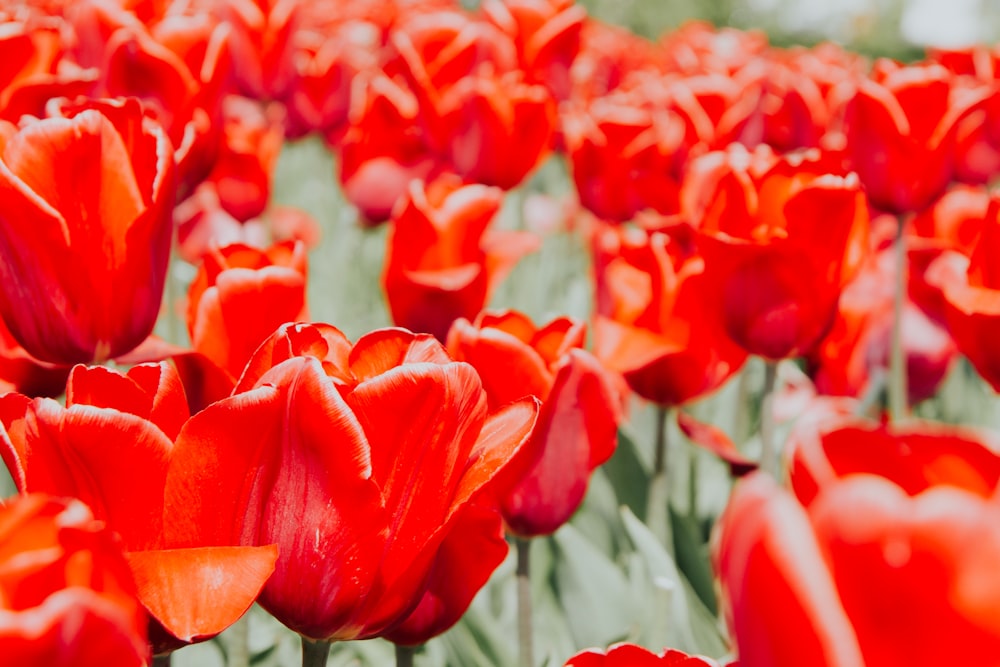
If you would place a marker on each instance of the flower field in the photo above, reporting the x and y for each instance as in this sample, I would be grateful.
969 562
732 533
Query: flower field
419 333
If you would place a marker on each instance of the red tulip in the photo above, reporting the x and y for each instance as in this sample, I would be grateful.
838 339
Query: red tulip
970 287
84 230
547 36
475 547
34 69
245 164
577 427
262 44
67 598
442 263
327 66
181 71
630 655
916 458
901 133
784 236
856 348
653 325
626 157
240 296
383 150
357 461
978 134
697 47
863 571
499 128
111 447
21 372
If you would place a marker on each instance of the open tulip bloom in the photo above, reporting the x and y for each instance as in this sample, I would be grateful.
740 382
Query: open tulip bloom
777 255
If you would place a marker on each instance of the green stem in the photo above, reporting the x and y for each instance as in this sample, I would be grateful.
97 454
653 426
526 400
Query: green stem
162 660
769 459
315 652
898 407
404 656
525 628
657 517
238 643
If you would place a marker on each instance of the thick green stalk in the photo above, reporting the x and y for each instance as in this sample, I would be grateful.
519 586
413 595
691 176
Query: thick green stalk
657 503
315 652
404 656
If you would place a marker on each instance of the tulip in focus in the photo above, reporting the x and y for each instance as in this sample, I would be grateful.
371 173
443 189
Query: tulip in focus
358 461
111 447
578 426
85 230
67 598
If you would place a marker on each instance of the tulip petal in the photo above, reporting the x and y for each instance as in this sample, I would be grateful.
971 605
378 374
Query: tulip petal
197 593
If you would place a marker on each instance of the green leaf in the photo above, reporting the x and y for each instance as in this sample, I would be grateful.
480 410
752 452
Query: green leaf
692 556
676 618
628 475
592 590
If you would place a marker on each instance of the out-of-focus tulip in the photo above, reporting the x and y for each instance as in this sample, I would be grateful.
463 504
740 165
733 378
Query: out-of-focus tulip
901 133
442 263
327 66
916 458
856 348
67 597
180 71
625 158
383 150
970 287
871 564
499 128
240 296
547 36
111 447
577 427
242 172
85 230
784 236
653 325
356 460
978 134
262 44
630 655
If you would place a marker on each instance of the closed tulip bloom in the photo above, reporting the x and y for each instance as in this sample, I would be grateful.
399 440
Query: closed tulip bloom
240 296
67 598
655 324
357 461
869 563
784 235
499 128
901 129
443 263
577 427
84 230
